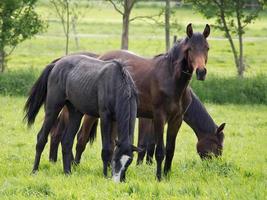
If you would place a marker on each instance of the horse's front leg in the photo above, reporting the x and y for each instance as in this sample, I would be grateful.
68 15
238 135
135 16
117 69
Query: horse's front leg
172 131
159 121
106 132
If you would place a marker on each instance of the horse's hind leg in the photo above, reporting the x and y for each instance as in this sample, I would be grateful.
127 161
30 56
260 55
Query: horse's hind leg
83 136
54 103
57 134
150 144
142 142
68 138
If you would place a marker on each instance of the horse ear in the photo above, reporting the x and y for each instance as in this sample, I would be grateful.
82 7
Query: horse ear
206 31
220 128
137 149
189 30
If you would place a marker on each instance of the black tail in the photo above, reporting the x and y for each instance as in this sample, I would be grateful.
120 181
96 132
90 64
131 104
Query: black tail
37 95
92 134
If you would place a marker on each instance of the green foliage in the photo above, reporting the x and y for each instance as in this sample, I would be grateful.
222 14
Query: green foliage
236 91
231 16
232 90
17 82
18 22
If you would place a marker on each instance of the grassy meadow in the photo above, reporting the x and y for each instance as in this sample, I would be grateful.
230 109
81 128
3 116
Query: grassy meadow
241 173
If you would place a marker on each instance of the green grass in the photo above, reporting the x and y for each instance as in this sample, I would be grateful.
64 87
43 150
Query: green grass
240 174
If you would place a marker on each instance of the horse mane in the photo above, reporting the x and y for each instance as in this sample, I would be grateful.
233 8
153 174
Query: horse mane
130 90
174 55
126 105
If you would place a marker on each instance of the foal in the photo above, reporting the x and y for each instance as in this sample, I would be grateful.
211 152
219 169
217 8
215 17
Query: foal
87 86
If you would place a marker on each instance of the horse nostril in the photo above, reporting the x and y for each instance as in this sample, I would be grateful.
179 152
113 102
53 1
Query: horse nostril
201 73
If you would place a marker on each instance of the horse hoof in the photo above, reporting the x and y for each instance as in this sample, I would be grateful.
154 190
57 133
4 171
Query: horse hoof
34 172
52 160
75 162
158 177
67 172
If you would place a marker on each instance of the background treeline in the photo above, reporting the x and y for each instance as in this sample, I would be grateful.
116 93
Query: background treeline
237 60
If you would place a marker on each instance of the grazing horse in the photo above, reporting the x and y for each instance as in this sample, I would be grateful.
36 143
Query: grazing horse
87 86
162 84
210 136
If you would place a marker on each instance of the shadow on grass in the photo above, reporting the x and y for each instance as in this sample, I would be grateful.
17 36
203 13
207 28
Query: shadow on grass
214 89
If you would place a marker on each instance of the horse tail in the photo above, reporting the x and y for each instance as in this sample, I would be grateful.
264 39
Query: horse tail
37 95
92 134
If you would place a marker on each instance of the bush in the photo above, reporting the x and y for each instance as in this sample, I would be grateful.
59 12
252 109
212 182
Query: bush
232 90
18 82
213 89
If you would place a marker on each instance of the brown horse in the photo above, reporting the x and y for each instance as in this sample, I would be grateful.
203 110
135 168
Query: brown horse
162 84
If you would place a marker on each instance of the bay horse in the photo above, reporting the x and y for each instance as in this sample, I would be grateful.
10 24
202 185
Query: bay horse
87 86
198 118
162 84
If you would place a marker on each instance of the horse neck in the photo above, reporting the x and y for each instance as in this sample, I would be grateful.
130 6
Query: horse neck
197 117
182 77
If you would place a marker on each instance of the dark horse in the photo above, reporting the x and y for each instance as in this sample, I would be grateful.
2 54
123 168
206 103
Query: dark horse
163 91
86 86
198 119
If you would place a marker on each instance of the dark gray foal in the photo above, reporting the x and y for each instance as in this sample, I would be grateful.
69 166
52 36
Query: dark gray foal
87 86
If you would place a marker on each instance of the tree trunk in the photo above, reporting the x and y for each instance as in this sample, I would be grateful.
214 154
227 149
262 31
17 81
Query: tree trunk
73 21
228 35
125 31
241 67
67 28
2 61
167 25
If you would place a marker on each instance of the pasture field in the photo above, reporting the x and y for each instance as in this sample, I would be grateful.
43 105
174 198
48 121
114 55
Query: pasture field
241 173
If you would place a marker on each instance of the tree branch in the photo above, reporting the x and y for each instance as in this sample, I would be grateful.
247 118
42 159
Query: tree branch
152 17
115 7
60 16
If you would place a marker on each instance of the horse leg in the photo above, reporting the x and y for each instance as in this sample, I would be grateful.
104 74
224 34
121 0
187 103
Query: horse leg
141 140
159 120
68 138
54 103
173 128
150 144
106 154
57 133
83 137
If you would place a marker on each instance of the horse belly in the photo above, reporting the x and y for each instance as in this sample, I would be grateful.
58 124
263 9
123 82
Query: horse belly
84 100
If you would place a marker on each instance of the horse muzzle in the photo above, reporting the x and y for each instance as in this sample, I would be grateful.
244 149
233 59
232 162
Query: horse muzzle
201 73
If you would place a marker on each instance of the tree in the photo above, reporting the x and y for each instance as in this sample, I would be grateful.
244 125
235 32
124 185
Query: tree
127 6
232 17
167 24
68 12
18 22
62 8
124 7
